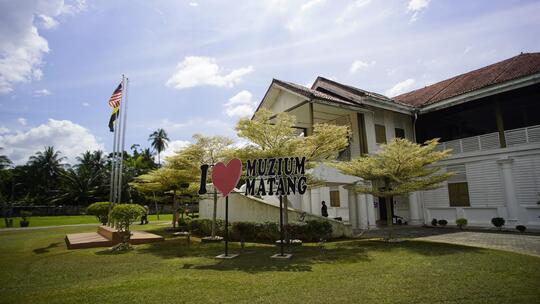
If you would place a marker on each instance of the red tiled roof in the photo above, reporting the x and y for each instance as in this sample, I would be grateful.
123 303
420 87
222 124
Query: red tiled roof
519 66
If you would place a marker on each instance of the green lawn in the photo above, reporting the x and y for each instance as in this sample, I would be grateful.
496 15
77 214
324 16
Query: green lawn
36 267
40 221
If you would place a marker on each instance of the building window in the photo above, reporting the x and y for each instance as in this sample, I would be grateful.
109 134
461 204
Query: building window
458 188
380 134
334 198
400 133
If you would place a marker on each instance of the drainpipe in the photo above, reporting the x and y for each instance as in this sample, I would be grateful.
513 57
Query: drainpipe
415 118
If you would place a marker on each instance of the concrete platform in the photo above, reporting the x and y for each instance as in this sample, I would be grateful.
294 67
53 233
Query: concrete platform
107 237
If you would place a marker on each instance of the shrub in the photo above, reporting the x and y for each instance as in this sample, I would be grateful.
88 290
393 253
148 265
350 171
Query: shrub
318 230
126 214
298 231
434 222
183 223
244 231
521 228
461 222
268 231
100 210
442 222
25 215
203 227
498 222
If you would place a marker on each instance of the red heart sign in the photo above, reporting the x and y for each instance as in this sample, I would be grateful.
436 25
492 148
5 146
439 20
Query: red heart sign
225 177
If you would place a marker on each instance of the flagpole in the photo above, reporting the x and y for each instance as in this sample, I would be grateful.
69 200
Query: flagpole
119 134
124 120
113 170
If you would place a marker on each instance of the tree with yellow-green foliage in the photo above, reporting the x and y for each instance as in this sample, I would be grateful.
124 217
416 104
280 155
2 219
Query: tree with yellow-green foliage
398 168
272 136
205 150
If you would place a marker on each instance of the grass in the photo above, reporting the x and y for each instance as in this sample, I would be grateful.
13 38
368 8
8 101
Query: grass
37 268
41 221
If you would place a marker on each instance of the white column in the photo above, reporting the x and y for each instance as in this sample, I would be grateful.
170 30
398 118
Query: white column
353 206
316 201
372 222
362 210
509 191
414 209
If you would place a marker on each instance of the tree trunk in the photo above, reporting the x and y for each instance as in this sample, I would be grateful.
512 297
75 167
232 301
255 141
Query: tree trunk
155 205
175 210
214 215
389 204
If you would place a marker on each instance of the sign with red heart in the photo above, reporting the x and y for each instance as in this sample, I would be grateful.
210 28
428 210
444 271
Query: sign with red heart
225 177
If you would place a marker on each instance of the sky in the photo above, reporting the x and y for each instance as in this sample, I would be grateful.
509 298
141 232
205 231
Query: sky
197 66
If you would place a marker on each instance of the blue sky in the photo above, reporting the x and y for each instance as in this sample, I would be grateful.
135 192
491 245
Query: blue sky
196 66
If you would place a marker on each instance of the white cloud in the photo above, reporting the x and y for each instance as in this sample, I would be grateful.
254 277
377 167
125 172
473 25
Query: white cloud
298 22
21 46
194 4
416 6
4 130
348 13
240 105
85 104
22 121
65 136
47 22
197 71
173 147
359 65
43 92
400 88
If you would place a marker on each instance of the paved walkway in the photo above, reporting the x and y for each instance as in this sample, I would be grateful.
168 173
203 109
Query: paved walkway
520 243
72 225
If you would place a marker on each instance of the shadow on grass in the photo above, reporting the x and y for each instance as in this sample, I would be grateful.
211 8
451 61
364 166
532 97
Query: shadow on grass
254 258
417 247
46 249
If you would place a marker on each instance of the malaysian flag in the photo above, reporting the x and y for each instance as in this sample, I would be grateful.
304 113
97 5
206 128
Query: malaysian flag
114 101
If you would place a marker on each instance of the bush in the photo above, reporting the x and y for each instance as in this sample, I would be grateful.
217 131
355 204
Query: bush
244 231
434 222
25 215
100 210
298 231
442 222
126 214
461 222
203 227
183 223
498 222
318 230
268 231
521 228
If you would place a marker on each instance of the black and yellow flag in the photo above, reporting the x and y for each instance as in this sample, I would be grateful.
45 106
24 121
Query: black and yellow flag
114 115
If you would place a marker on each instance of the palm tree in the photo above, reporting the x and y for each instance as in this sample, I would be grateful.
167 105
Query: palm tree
159 141
4 161
80 187
91 162
48 162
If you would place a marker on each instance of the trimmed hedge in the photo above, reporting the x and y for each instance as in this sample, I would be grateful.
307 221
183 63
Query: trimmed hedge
314 230
100 210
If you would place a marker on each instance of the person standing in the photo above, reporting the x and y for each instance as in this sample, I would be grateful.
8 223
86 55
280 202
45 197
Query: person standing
324 209
144 217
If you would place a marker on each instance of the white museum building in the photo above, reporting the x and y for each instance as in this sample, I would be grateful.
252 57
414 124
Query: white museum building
489 117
